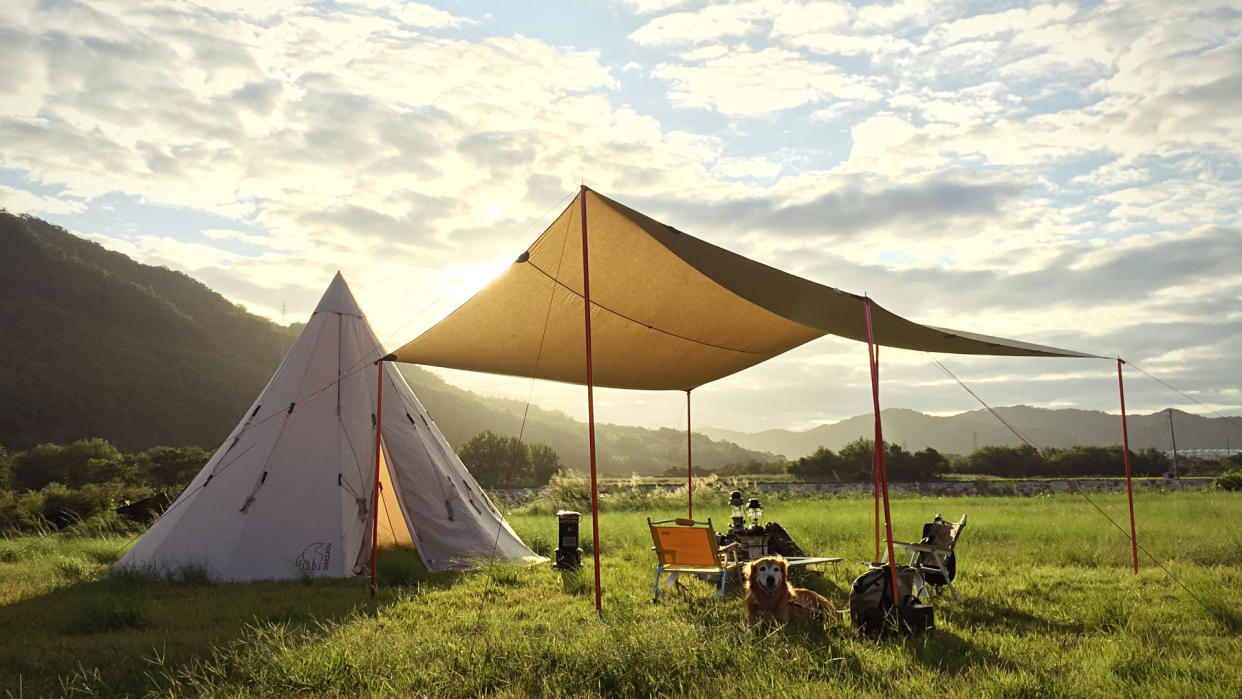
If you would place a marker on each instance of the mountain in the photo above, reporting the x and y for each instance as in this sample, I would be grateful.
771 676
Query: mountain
963 433
95 344
620 450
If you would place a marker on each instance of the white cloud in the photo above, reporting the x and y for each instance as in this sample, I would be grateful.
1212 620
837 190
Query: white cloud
711 23
997 168
749 82
1017 19
746 167
21 201
644 7
415 14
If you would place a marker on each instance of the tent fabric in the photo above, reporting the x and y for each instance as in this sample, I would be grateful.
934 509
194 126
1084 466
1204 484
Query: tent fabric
668 310
290 491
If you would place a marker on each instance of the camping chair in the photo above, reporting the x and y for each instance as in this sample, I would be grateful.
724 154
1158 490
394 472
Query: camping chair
934 556
686 546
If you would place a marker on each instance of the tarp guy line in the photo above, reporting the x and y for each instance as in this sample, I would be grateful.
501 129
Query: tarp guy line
1074 486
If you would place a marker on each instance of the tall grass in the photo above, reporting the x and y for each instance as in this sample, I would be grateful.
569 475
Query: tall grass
1049 607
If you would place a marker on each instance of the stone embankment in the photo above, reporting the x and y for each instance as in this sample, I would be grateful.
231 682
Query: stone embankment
995 487
935 488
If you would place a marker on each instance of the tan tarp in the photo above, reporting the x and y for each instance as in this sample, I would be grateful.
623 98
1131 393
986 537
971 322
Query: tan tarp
668 311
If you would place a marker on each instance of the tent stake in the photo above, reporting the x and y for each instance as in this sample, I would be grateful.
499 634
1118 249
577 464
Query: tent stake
689 465
1125 450
586 297
879 440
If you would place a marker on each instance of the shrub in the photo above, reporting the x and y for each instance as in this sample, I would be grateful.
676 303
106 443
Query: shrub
499 462
1229 480
72 569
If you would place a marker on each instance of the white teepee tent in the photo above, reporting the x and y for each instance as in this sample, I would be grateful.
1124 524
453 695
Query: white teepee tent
290 492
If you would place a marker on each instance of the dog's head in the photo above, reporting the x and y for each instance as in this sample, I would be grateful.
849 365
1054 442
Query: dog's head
767 574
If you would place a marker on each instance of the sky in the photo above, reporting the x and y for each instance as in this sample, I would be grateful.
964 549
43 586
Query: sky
1061 173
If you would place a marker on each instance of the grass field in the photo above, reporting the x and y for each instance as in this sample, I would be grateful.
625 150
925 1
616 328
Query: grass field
1049 607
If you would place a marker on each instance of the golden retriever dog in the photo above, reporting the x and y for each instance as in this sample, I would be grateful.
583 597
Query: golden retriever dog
770 596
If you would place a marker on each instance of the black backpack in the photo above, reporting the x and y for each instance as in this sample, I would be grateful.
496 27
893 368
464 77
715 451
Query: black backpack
871 602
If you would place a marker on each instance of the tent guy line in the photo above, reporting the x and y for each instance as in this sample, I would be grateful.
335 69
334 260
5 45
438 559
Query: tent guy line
649 326
1185 395
1079 491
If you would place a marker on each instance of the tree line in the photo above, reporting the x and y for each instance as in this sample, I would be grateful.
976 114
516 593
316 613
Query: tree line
854 463
54 485
51 486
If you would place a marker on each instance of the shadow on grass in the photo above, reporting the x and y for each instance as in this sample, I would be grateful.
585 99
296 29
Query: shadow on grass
128 632
984 613
950 653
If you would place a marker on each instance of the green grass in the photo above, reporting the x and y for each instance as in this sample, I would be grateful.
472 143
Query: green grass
1049 607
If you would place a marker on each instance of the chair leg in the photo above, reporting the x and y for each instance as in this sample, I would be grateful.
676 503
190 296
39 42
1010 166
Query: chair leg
945 573
724 578
656 593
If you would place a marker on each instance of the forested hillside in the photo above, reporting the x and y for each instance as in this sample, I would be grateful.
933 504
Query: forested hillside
97 345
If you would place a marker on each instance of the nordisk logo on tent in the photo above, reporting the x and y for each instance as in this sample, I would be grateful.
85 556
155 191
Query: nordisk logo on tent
314 557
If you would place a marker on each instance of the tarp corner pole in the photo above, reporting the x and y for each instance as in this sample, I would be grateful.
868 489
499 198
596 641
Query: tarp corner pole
1125 450
689 464
879 441
590 382
876 454
379 419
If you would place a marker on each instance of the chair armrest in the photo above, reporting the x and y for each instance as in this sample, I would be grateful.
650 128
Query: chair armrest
730 546
926 548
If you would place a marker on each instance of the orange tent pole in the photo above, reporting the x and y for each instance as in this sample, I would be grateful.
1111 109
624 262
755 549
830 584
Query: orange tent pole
874 359
689 465
879 440
586 294
1125 449
379 417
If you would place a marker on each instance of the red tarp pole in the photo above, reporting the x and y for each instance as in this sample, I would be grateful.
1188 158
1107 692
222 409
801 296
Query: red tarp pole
689 465
1125 449
874 358
379 414
586 294
879 440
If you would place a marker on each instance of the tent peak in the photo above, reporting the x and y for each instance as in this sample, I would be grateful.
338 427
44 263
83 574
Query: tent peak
338 298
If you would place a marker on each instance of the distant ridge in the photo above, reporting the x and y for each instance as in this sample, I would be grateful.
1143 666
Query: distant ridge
963 433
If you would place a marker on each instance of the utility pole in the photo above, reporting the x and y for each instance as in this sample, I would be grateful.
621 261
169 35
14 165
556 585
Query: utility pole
1173 436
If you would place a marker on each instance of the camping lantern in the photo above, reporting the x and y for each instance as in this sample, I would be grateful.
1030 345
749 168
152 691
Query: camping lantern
755 510
568 555
735 502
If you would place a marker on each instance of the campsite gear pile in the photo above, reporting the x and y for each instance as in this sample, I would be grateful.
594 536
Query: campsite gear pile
757 540
871 602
